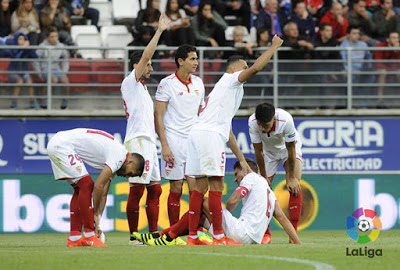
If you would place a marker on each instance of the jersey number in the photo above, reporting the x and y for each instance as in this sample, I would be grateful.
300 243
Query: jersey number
268 204
147 167
72 161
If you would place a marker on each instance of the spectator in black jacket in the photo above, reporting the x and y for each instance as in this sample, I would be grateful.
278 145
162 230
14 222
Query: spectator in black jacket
272 18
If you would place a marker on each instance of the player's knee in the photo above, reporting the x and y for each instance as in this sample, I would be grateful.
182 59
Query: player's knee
176 186
154 191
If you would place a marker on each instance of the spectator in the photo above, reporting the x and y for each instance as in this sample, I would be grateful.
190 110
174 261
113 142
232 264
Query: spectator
345 5
5 18
20 39
190 6
208 26
338 22
372 6
386 19
240 9
39 5
358 17
326 63
147 19
179 29
393 42
59 63
25 20
358 61
304 21
313 6
271 18
301 50
242 47
81 8
54 14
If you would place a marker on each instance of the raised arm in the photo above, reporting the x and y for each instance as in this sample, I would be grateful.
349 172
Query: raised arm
261 61
151 47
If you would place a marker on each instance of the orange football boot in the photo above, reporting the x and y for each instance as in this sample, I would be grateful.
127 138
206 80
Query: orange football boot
266 239
225 241
196 242
93 241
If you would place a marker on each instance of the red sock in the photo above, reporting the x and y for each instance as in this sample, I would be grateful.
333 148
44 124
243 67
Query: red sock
295 204
268 231
153 206
195 203
76 221
174 207
214 202
85 202
181 227
165 231
132 207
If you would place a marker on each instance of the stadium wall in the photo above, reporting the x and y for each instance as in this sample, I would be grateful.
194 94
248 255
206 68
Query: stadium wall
347 163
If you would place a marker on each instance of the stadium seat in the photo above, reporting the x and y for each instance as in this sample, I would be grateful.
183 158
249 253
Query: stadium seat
112 29
168 65
89 40
117 40
83 29
105 9
4 63
125 10
211 67
111 72
79 72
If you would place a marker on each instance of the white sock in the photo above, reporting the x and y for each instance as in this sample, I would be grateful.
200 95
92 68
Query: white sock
88 234
219 236
74 237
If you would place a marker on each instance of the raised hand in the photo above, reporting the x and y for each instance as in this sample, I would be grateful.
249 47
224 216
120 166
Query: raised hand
277 41
162 25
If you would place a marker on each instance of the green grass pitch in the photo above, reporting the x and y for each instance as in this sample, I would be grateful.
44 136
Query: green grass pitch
327 251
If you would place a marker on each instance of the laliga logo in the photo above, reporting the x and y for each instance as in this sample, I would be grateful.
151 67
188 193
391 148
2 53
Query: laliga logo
364 217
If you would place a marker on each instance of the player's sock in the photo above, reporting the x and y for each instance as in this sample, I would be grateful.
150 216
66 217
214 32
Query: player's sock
174 207
75 217
268 230
295 204
181 227
85 185
214 202
195 203
132 207
153 205
165 231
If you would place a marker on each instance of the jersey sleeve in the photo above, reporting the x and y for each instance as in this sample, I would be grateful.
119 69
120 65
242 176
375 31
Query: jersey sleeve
245 186
116 158
163 92
235 78
202 103
289 130
254 132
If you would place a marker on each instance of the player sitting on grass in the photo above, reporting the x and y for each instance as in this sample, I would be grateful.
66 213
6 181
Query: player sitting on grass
259 205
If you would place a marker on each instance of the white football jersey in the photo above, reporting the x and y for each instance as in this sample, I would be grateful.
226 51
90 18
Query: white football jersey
139 108
95 147
258 205
282 131
221 105
184 100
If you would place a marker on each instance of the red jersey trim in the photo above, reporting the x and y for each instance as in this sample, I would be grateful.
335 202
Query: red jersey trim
68 178
183 82
161 101
242 191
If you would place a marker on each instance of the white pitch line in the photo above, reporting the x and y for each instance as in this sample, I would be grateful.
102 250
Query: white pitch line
315 264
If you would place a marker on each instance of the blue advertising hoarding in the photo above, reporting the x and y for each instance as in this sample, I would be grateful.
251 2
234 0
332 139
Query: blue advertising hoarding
329 145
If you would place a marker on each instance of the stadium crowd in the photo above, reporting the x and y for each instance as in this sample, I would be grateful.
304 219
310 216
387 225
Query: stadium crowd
304 25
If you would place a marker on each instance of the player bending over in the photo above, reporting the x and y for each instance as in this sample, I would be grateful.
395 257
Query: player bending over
68 151
259 205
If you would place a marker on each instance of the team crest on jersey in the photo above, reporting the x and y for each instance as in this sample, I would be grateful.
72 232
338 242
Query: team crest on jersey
181 93
144 176
197 92
168 172
119 164
159 89
79 169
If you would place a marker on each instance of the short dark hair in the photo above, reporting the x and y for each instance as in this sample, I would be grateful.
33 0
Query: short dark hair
265 112
140 162
51 29
351 27
183 52
135 58
252 164
233 59
323 25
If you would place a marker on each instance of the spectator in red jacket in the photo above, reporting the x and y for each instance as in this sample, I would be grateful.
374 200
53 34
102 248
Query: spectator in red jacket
339 23
383 67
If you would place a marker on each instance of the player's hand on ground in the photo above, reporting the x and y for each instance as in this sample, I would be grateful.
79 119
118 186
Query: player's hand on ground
245 167
277 41
293 186
162 24
167 155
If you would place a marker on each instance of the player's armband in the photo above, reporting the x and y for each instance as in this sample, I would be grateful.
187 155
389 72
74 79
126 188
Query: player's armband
242 191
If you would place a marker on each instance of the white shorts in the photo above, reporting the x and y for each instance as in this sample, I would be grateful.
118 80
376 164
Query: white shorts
205 154
234 228
272 159
148 149
178 146
65 161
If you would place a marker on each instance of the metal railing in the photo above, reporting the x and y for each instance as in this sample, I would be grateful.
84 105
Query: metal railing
288 83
